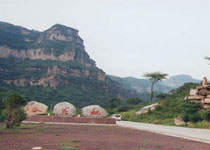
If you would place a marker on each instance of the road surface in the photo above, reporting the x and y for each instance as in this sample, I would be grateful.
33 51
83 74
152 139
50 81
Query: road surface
201 135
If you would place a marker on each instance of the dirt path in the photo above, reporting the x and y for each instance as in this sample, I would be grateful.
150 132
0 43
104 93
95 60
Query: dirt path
87 137
201 135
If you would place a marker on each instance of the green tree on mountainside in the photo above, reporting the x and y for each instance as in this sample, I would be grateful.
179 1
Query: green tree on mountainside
154 77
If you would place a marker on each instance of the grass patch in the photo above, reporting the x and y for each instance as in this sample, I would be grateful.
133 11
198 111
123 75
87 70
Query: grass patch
35 128
67 146
202 124
75 141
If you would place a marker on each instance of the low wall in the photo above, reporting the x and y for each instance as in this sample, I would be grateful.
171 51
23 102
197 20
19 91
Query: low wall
61 119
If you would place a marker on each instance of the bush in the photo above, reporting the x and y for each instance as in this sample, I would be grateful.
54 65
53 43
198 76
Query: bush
134 101
194 118
185 118
158 108
14 111
124 108
19 116
2 116
190 111
115 102
205 115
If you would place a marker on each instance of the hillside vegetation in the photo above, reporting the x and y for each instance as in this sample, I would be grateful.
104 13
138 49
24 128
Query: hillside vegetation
52 66
171 107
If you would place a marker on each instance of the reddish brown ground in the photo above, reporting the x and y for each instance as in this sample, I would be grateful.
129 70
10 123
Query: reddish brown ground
85 137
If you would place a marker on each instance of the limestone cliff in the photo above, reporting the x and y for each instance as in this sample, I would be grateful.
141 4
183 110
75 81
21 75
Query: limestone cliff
52 61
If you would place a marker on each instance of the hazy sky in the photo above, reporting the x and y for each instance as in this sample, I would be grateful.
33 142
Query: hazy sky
127 37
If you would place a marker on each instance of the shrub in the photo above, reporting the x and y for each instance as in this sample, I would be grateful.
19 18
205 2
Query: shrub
115 102
205 115
185 118
189 111
124 108
158 108
149 111
2 116
194 118
13 108
134 101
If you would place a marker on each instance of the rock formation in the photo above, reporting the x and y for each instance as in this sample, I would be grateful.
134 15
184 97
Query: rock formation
178 121
65 109
145 109
201 94
93 111
35 108
50 64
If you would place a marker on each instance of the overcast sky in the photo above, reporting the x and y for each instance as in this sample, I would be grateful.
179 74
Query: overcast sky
127 37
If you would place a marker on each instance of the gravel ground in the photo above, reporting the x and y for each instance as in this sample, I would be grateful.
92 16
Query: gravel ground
88 137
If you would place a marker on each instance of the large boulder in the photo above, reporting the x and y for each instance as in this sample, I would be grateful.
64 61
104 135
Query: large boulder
35 108
93 111
193 92
145 109
178 121
195 97
64 108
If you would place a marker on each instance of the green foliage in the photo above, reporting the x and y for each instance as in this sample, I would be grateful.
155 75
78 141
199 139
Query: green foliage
185 118
171 107
154 77
162 96
125 108
13 108
194 117
205 115
189 111
115 102
133 101
2 113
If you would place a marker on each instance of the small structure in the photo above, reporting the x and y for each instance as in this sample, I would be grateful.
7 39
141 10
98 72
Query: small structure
35 108
145 109
64 108
201 94
93 111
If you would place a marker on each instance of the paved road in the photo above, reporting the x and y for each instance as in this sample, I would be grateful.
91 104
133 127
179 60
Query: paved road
202 135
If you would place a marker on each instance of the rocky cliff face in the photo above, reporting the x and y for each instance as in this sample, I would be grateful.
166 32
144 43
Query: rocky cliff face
55 58
58 43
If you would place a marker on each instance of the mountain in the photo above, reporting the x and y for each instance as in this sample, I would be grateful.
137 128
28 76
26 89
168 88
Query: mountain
143 85
178 81
140 85
52 66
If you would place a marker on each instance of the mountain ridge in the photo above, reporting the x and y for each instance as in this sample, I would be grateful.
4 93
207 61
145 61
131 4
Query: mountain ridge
143 85
52 66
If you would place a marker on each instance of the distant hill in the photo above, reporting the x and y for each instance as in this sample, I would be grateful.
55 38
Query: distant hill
143 85
178 81
140 85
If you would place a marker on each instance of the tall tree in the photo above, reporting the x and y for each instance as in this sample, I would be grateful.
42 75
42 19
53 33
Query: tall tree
155 77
